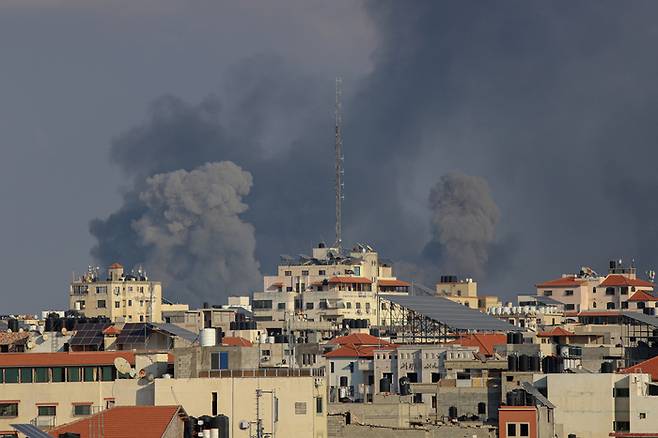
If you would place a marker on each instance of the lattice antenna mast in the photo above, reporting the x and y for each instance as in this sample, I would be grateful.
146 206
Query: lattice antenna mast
339 163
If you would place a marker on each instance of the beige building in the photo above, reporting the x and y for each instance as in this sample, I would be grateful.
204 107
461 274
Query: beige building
292 403
589 291
327 286
465 292
119 296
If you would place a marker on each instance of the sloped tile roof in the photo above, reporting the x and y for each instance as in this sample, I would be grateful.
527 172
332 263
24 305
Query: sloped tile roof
618 280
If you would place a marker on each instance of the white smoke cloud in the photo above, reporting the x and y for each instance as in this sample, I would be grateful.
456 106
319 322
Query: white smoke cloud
192 233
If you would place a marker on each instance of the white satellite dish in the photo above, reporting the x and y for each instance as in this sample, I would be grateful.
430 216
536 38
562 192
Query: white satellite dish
45 336
122 365
30 344
64 331
132 373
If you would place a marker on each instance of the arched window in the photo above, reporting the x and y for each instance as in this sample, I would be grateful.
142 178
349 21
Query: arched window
594 304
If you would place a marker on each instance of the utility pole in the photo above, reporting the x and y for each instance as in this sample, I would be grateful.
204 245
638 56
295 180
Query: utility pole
339 163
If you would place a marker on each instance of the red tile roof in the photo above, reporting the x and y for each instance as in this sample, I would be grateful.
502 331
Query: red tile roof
236 341
557 331
568 281
649 366
350 280
618 280
642 296
599 313
392 283
112 330
126 421
116 266
359 339
7 338
351 350
64 359
484 341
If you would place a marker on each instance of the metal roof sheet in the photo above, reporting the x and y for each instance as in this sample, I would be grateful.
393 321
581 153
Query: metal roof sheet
641 317
30 431
177 331
451 314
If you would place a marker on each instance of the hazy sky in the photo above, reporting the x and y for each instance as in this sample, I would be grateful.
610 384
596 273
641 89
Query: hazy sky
552 105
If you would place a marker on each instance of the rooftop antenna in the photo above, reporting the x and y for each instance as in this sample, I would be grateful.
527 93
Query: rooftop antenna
339 163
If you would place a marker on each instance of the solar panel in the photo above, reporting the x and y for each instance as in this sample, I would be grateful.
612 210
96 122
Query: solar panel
451 314
30 431
134 333
89 334
641 317
175 330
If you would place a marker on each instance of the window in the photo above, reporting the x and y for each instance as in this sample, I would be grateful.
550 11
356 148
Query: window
109 403
300 408
520 430
262 304
89 374
8 409
624 305
117 304
41 375
331 366
84 409
107 374
26 375
358 306
511 429
101 289
46 411
594 304
73 374
568 293
524 429
547 293
130 303
482 408
322 304
219 360
289 289
58 374
620 392
322 272
609 290
643 415
281 306
11 375
8 435
309 306
304 272
436 377
213 405
318 405
288 273
348 305
569 307
640 304
621 426
610 306
624 290
100 304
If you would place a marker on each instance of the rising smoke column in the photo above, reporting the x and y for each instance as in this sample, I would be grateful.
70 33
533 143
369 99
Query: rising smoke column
463 222
193 237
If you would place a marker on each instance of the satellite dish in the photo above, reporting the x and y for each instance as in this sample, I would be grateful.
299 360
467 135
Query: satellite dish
45 336
132 373
30 344
122 365
64 331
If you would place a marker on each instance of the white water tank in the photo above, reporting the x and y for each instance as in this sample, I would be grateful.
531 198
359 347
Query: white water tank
214 433
270 340
206 433
208 337
263 338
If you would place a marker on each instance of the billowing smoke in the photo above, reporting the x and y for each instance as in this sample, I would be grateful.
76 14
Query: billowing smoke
192 235
464 218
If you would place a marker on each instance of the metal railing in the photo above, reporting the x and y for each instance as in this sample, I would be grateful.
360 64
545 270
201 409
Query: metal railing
265 372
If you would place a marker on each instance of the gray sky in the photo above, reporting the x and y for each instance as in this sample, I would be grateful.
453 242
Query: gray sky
552 104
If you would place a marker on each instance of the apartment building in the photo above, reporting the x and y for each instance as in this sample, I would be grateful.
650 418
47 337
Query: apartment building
589 291
464 291
119 296
327 286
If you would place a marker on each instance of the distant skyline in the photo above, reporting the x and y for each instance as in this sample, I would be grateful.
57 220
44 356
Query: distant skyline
533 122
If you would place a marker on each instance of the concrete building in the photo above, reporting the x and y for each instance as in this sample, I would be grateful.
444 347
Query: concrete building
328 286
119 296
589 291
464 291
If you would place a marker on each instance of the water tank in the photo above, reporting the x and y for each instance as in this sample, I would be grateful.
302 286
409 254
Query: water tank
512 362
529 399
518 338
510 337
222 423
12 324
50 324
208 337
188 428
270 339
70 323
534 363
524 362
384 385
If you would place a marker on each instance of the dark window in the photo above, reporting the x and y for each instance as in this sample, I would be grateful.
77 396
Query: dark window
331 366
26 375
569 307
511 429
624 290
640 304
510 378
117 304
58 374
568 292
107 374
281 306
46 411
8 409
322 272
609 290
89 374
436 377
524 429
289 289
213 406
610 306
343 380
100 304
73 374
41 375
482 409
262 304
304 272
624 305
547 293
622 426
288 273
309 306
79 410
11 375
219 361
322 304
620 392
318 405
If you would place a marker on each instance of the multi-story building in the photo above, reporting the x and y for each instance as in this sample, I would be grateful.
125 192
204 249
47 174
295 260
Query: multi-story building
328 286
464 291
589 291
119 296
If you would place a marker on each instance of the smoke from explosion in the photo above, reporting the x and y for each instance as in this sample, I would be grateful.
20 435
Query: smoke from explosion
192 235
464 218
